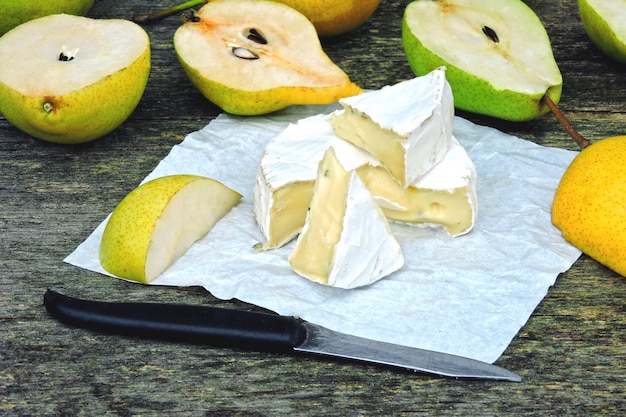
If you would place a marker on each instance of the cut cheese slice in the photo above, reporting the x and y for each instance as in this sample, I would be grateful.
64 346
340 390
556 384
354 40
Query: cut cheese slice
407 126
445 196
287 172
346 241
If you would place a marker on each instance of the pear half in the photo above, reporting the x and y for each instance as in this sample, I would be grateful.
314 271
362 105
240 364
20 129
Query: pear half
158 221
253 57
16 12
71 79
605 23
498 55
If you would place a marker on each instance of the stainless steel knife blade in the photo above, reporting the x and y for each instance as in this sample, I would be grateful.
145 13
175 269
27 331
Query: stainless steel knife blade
258 331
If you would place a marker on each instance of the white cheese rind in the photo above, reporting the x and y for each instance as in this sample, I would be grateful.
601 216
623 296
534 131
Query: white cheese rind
346 241
407 126
289 166
445 196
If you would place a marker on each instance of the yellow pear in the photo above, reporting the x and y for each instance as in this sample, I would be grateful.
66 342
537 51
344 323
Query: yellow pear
253 57
329 17
335 17
590 203
71 79
16 12
158 221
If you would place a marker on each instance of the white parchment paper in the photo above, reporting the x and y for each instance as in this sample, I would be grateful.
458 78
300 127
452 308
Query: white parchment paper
468 295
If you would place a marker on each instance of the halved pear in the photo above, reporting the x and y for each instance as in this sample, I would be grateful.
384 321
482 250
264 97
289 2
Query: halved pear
253 57
16 12
71 79
157 222
498 55
605 23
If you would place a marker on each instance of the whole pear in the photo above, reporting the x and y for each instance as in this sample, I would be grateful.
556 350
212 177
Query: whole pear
588 204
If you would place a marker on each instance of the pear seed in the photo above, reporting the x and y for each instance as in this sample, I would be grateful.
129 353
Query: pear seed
491 34
244 53
255 36
66 55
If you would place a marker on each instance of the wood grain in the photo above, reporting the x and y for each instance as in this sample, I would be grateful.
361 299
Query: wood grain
571 353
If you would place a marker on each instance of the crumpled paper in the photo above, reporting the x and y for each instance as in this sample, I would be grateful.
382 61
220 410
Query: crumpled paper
467 295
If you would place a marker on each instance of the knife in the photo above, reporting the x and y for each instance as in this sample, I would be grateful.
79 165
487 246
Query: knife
221 327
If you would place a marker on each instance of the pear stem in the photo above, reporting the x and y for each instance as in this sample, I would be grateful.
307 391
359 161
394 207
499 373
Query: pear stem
162 14
578 138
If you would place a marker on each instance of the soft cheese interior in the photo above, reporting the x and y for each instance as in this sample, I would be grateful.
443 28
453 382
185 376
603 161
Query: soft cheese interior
407 126
346 241
287 172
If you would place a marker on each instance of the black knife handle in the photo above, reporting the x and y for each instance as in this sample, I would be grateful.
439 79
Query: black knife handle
181 323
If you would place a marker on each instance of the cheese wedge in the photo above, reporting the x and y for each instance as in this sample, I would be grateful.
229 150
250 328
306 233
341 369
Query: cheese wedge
346 241
287 172
445 196
407 126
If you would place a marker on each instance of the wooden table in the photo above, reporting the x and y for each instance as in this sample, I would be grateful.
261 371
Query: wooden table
571 353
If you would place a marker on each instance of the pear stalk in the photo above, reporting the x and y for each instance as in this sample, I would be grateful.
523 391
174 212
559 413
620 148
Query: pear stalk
162 14
580 140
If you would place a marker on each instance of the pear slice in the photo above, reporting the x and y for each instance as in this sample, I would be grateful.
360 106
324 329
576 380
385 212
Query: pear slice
498 55
605 23
71 79
158 221
253 57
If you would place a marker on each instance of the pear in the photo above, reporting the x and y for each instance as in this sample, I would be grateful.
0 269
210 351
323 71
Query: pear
498 55
95 75
254 57
16 12
158 221
588 204
329 17
605 23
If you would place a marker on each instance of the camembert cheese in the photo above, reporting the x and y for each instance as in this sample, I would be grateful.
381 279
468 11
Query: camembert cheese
407 126
346 241
445 196
287 172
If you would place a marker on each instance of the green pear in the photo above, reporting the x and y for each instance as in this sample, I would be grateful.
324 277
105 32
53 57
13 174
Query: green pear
16 12
71 79
253 57
498 55
605 23
158 221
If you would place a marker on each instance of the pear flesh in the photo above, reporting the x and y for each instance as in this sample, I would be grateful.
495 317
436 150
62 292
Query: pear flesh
498 55
254 57
156 223
72 79
605 23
